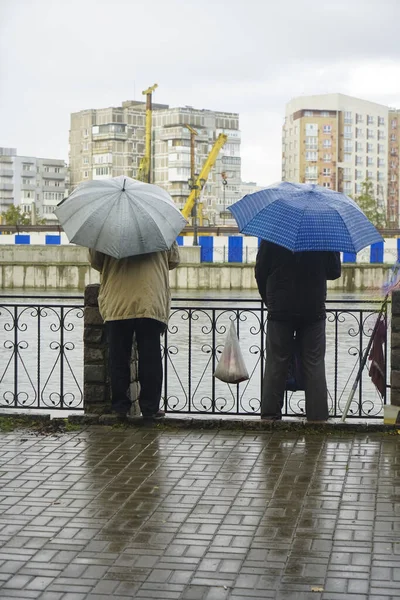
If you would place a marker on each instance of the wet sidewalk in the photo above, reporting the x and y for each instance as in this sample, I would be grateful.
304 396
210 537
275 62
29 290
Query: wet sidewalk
107 513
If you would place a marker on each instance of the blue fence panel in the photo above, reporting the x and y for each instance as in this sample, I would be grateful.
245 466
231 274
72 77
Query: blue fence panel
53 239
207 246
235 249
179 240
398 249
349 257
376 253
22 239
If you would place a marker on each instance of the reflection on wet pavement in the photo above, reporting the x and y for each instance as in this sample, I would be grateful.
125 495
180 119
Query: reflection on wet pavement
109 512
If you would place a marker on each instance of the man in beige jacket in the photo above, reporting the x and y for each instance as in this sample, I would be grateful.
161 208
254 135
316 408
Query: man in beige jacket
135 298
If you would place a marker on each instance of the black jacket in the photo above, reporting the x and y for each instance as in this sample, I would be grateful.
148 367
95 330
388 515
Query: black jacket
293 285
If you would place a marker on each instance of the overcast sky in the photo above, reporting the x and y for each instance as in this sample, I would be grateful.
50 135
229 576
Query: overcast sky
245 56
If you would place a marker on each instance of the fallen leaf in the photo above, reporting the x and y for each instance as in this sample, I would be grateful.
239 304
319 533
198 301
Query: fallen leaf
317 588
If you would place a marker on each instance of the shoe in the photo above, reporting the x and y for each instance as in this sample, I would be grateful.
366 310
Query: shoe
120 413
160 414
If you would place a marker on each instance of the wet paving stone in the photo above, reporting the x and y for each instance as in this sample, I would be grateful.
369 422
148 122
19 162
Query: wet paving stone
200 514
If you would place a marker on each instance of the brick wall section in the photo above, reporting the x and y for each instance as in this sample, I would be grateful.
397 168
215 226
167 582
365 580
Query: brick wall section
395 349
97 396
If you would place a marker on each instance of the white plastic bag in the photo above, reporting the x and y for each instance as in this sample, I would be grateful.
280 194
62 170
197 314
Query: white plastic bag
231 367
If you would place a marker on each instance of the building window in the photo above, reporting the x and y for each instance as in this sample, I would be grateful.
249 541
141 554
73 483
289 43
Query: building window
370 134
86 160
326 172
26 167
311 129
370 120
381 135
102 171
56 169
381 148
394 123
311 155
327 128
359 160
358 188
393 137
86 174
359 118
358 174
381 162
380 176
308 113
311 143
327 143
381 121
86 132
348 146
327 158
370 161
327 184
85 146
370 175
348 131
347 117
347 173
325 113
47 170
370 147
359 147
359 133
347 157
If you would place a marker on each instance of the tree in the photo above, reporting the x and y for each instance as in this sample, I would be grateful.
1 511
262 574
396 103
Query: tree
368 204
14 216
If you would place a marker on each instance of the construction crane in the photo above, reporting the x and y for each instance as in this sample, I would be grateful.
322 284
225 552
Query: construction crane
144 173
202 177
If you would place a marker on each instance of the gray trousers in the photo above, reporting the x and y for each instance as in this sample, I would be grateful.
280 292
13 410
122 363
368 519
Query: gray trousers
279 350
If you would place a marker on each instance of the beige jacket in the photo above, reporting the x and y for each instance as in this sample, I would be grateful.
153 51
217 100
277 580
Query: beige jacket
137 286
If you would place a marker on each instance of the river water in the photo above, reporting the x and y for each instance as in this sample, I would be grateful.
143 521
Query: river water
199 321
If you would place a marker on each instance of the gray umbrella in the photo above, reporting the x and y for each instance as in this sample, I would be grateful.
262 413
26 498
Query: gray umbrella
120 217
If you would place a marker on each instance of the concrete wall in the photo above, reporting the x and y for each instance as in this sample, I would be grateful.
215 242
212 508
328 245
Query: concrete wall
66 267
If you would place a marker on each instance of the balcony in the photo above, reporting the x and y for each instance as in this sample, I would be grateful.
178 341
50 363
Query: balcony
26 173
28 186
52 175
6 172
6 187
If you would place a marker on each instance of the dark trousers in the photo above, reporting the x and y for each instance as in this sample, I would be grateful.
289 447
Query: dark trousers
279 350
120 339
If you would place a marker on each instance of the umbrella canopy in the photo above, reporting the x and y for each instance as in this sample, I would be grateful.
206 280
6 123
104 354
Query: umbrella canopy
304 217
120 217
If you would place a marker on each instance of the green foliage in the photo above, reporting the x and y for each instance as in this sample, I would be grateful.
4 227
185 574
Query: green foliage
14 216
368 204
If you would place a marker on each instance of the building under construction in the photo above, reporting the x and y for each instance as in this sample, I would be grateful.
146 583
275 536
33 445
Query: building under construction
107 142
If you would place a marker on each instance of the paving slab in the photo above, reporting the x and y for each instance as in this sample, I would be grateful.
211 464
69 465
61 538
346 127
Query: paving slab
98 511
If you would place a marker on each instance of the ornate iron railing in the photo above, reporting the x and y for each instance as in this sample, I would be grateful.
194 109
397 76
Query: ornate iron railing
41 352
200 327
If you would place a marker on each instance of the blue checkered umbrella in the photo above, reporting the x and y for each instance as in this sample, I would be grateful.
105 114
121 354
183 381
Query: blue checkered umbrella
304 217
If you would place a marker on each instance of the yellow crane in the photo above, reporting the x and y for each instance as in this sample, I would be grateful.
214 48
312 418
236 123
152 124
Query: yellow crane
144 173
202 177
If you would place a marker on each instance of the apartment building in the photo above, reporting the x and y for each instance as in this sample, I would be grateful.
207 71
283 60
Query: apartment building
110 142
338 142
28 181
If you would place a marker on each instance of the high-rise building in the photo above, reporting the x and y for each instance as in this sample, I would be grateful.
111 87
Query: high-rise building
109 142
27 181
339 142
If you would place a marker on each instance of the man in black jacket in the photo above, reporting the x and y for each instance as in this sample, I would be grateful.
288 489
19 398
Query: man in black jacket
293 288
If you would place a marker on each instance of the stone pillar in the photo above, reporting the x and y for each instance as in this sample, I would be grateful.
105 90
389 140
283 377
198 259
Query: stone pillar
96 384
97 396
393 409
